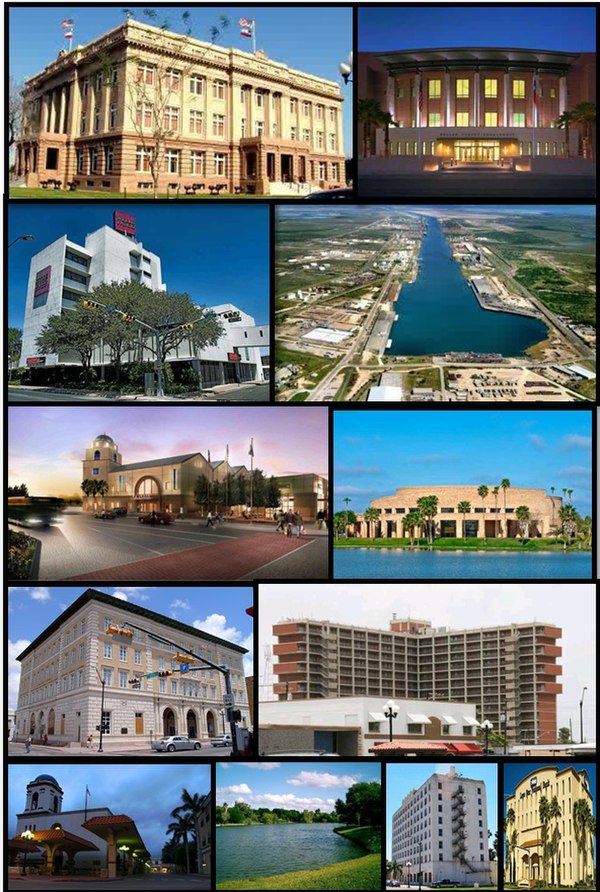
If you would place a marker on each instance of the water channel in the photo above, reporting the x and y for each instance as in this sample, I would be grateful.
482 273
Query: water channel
439 313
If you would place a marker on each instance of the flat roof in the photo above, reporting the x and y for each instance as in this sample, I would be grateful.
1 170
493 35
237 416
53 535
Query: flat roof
399 60
329 335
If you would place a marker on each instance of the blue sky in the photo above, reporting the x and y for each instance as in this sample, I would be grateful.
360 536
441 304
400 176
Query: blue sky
377 452
217 610
299 785
314 40
401 779
147 793
215 253
515 772
565 28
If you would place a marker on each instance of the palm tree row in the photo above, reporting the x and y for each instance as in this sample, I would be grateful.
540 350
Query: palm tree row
186 823
584 115
93 488
371 116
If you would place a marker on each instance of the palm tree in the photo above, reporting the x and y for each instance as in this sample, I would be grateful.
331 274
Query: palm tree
102 490
564 122
386 119
371 516
89 487
523 515
180 828
504 485
339 526
495 492
368 113
429 505
464 508
570 493
592 829
544 812
584 114
581 817
192 805
555 814
552 490
508 822
568 522
413 519
483 493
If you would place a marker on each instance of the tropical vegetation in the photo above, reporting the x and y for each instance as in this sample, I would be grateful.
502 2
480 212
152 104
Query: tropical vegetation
184 848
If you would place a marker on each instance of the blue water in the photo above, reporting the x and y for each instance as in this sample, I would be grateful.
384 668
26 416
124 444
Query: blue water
439 312
266 850
392 563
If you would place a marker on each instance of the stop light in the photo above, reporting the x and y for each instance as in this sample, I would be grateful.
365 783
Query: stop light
136 682
187 326
165 673
236 715
127 317
117 630
90 305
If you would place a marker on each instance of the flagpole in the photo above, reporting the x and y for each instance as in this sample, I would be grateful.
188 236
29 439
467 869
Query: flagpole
251 474
87 793
253 37
227 478
534 112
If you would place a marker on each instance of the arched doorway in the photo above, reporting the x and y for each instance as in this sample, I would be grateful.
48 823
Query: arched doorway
41 727
51 721
210 723
148 495
192 724
32 725
169 724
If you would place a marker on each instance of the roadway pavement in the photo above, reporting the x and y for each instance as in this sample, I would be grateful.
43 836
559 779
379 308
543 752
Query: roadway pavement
145 883
82 547
489 184
227 393
112 748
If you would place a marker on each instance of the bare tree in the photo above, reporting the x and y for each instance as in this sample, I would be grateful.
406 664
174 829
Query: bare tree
14 113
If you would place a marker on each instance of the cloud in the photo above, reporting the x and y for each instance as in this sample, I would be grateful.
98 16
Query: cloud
576 441
283 800
352 491
14 669
120 595
575 471
536 441
234 788
359 469
216 624
258 766
184 605
433 459
36 593
321 779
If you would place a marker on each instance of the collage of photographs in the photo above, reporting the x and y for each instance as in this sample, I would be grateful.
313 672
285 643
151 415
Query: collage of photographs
300 446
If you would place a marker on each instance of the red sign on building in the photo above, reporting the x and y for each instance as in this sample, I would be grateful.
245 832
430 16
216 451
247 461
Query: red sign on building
124 223
233 357
42 281
36 360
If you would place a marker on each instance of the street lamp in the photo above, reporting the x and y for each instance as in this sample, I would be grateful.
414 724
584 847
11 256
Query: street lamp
25 238
420 862
408 865
103 683
27 835
581 716
345 69
390 711
346 502
503 722
487 727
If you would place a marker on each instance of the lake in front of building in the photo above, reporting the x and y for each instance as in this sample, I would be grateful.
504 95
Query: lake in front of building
269 849
398 563
439 313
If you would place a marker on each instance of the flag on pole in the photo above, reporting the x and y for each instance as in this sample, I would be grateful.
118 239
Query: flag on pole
251 450
535 90
87 790
67 26
420 92
247 27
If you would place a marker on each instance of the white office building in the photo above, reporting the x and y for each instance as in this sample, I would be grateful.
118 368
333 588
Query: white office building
63 273
441 829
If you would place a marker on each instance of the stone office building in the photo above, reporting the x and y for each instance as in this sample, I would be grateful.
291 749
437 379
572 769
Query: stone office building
62 671
99 115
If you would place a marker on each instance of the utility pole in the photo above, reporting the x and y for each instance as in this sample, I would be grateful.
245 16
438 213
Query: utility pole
103 683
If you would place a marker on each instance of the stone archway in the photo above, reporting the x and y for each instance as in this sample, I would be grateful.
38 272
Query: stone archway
41 728
211 723
32 724
147 494
192 724
51 722
169 722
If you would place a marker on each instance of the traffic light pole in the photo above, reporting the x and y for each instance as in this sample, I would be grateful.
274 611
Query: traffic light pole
222 669
103 683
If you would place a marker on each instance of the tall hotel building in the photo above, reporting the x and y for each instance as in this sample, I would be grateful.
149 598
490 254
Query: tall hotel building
507 670
441 829
64 272
64 668
476 105
225 117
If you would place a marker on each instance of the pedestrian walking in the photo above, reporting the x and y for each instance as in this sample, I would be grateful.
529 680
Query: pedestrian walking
89 741
298 523
28 744
209 520
220 518
153 518
279 518
45 738
319 523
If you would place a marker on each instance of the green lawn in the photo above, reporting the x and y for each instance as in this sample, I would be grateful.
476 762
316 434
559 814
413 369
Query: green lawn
453 544
59 194
360 873
367 837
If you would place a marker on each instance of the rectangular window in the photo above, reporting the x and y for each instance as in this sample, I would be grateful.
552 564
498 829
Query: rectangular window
80 678
319 139
434 89
306 109
518 119
197 166
114 75
322 170
172 160
433 118
220 164
196 122
197 84
173 79
108 159
99 79
107 676
123 678
413 728
552 92
145 74
123 654
171 118
490 88
335 171
218 127
491 119
173 687
106 722
81 651
143 115
83 123
462 119
142 159
219 89
518 89
293 133
112 118
79 153
462 88
306 135
162 686
400 93
293 106
107 651
332 115
137 657
319 110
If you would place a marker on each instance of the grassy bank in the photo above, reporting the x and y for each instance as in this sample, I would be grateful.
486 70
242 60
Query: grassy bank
460 544
369 838
360 873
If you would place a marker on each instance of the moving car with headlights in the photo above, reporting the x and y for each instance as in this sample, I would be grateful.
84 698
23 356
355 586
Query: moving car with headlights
154 517
105 514
35 511
175 742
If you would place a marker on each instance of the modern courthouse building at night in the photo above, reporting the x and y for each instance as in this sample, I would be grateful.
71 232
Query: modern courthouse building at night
476 105
224 116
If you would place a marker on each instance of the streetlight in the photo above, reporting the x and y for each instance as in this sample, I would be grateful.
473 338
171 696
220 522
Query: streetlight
28 836
487 727
25 238
103 683
408 865
503 722
581 716
345 69
390 711
420 862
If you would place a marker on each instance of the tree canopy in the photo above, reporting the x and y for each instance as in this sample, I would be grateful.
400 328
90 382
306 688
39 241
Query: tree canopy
362 806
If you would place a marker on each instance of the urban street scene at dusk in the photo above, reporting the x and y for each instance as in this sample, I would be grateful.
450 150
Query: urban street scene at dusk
103 509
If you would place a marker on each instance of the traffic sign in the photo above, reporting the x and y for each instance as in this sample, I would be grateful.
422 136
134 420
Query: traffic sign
152 674
184 667
227 700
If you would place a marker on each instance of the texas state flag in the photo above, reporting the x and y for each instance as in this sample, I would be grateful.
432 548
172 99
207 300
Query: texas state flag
247 26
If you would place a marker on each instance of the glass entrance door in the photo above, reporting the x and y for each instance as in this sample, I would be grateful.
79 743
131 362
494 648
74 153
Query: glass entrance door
477 151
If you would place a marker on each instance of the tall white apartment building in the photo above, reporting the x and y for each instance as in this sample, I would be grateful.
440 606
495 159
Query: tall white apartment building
441 829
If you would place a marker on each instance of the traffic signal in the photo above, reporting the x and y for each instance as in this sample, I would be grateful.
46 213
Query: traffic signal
187 326
236 715
136 682
117 630
181 658
127 317
90 305
232 315
165 672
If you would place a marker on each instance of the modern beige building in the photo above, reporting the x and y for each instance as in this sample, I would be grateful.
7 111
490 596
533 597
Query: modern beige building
485 519
62 670
139 100
509 672
570 785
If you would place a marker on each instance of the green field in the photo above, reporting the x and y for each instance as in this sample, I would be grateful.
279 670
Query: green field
359 873
456 544
367 837
63 194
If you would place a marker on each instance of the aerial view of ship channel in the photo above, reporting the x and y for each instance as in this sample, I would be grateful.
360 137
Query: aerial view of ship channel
421 304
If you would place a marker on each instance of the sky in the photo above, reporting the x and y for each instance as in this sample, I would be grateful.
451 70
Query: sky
287 439
219 611
566 28
314 41
215 253
299 785
147 793
468 605
377 452
401 779
515 772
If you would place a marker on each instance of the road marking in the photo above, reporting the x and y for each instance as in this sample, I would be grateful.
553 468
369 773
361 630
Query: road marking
274 561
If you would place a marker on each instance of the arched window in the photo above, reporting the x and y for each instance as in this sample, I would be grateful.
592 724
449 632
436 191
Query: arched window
34 800
55 809
96 455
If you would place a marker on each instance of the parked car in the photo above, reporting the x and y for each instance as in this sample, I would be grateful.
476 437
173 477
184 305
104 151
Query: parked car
156 517
121 512
105 514
443 884
175 742
221 740
331 195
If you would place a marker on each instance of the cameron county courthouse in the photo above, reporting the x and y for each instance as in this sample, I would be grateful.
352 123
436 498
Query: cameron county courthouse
215 116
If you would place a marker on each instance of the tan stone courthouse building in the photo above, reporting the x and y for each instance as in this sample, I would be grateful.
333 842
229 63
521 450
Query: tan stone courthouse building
138 100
